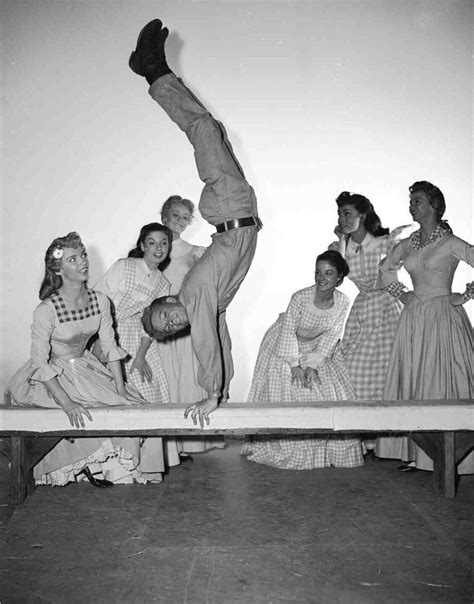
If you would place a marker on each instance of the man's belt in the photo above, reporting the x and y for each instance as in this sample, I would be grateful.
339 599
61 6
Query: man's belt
239 222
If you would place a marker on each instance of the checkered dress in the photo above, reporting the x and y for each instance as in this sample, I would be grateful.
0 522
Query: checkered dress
304 336
137 296
373 320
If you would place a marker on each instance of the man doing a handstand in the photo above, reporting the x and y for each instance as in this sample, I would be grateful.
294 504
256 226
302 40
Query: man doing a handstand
227 202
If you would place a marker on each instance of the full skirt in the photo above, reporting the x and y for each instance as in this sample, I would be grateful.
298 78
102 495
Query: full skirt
431 359
272 383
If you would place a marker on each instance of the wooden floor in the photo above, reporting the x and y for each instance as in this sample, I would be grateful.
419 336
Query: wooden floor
223 530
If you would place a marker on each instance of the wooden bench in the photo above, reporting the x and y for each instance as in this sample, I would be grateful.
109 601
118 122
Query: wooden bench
444 429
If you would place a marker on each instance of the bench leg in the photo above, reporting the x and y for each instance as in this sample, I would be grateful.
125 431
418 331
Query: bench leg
444 475
440 447
26 452
20 479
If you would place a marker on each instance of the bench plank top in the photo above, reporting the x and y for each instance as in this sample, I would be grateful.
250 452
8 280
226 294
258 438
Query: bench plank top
247 418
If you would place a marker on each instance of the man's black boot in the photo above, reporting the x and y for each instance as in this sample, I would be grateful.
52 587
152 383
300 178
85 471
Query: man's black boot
148 59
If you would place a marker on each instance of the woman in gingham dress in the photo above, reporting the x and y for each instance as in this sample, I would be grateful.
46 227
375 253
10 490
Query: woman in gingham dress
300 360
373 319
62 372
132 284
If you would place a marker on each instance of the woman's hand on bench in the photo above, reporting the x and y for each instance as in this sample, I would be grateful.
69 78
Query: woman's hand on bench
75 413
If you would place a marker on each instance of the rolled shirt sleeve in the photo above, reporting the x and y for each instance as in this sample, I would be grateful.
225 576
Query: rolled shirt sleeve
201 306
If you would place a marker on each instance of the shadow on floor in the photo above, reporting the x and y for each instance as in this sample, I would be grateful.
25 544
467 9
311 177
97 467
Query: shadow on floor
225 530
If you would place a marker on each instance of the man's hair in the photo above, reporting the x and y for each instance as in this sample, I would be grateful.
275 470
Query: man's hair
148 314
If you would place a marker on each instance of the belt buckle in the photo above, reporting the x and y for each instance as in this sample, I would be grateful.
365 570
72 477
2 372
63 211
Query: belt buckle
231 224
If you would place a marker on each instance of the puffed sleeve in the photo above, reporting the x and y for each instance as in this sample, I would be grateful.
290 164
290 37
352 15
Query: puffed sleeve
44 317
287 344
112 282
462 250
328 340
388 242
110 350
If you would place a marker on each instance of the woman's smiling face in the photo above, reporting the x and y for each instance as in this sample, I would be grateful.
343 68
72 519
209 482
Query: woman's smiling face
326 276
74 264
178 218
155 248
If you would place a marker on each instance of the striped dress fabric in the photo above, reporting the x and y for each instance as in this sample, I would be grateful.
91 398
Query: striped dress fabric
306 336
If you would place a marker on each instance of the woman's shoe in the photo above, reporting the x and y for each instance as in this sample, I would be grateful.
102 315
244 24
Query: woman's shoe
101 483
407 468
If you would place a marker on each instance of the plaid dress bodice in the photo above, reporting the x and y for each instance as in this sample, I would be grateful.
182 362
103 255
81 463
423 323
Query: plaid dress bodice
364 264
137 294
74 328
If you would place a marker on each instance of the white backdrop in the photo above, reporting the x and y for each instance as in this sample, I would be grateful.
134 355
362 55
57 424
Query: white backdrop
318 96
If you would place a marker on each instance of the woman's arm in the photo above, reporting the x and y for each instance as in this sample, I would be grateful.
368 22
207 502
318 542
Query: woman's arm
287 344
140 363
462 250
116 370
328 340
388 273
460 299
112 282
110 349
74 411
41 333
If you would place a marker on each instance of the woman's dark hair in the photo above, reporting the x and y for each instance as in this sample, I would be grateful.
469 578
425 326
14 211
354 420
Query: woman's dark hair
338 262
436 199
171 201
363 205
53 263
137 251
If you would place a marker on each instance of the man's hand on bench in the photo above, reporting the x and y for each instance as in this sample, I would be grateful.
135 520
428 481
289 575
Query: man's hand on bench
202 409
